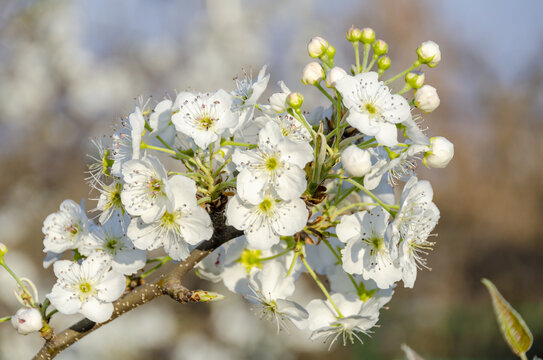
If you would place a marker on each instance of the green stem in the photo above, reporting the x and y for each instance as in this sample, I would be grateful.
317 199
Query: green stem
50 315
370 194
357 56
349 191
277 255
291 267
405 89
350 206
374 58
7 318
25 290
366 56
44 307
415 64
338 257
152 147
523 356
322 90
321 286
234 143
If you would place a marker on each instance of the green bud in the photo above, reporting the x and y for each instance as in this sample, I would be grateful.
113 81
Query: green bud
295 100
331 51
415 79
368 35
205 296
512 326
380 47
383 63
354 34
3 250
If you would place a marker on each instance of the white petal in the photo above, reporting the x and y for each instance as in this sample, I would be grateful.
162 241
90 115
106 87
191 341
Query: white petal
111 286
96 310
63 300
292 217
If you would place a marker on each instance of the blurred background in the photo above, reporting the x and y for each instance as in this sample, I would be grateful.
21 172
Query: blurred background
69 70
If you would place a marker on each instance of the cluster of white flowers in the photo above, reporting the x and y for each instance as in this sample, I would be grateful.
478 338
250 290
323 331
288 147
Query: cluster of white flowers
312 191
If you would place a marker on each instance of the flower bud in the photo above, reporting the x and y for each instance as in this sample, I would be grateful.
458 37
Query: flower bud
440 154
205 296
383 63
27 320
3 249
426 98
354 34
380 47
317 47
368 36
415 79
295 100
330 51
356 162
313 73
429 53
278 102
335 74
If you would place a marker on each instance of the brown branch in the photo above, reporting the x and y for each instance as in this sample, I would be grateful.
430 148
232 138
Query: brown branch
169 284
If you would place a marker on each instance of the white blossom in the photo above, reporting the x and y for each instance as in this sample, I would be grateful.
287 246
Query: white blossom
271 289
66 228
146 189
355 161
429 53
88 288
246 95
367 250
373 110
183 224
277 162
204 117
160 122
334 75
265 222
110 242
313 73
409 232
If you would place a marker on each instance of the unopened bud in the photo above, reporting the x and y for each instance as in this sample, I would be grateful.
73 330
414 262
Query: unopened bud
356 162
383 63
440 154
295 100
27 320
313 73
3 250
415 79
426 98
380 47
429 53
330 52
368 35
334 75
317 47
354 34
205 296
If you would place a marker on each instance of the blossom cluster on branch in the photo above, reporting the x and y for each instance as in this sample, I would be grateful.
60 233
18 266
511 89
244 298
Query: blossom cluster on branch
314 191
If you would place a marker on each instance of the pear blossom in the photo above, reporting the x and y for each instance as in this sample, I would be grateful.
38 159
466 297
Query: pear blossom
317 47
204 117
278 101
277 162
264 222
137 125
246 95
109 201
110 242
181 225
373 110
271 289
429 53
334 75
88 288
408 234
66 228
27 320
358 317
367 250
313 73
146 188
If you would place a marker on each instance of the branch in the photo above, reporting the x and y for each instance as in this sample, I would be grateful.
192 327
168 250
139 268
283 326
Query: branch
169 284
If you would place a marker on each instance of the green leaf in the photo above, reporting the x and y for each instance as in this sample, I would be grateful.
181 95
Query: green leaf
512 326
